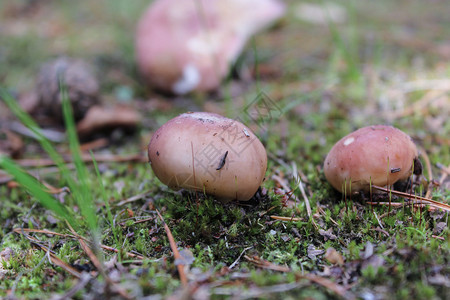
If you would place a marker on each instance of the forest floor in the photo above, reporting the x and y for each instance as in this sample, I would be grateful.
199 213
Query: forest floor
369 62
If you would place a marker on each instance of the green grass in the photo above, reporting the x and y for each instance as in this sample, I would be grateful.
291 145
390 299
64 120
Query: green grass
330 79
79 187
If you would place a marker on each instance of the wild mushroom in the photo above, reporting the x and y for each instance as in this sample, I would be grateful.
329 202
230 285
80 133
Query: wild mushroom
378 155
80 82
184 46
208 153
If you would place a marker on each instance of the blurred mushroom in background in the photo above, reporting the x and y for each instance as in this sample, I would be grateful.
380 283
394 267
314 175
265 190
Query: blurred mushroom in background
83 91
79 80
184 46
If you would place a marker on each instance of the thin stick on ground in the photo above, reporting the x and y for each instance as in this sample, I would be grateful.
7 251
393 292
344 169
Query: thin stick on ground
133 198
289 219
298 179
96 262
400 204
323 213
173 246
239 257
415 198
84 280
53 258
445 173
326 283
425 157
44 231
286 188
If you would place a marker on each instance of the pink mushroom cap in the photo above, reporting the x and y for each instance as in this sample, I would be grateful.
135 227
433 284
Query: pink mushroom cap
378 155
208 153
184 46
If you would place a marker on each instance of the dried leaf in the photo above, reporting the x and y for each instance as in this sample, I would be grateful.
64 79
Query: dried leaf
368 252
313 252
375 261
186 258
11 144
102 119
328 234
334 257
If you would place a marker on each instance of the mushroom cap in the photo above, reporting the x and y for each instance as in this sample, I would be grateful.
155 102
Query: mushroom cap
209 153
378 155
183 46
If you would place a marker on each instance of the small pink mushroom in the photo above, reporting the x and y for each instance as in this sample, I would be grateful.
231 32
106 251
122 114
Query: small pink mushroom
378 155
182 46
208 153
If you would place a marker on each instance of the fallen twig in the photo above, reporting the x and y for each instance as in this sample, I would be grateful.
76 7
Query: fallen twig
438 237
382 231
133 198
239 257
53 258
322 212
425 157
96 262
84 280
415 198
328 284
378 219
298 179
173 246
290 219
262 263
255 292
50 134
399 204
445 173
44 231
285 186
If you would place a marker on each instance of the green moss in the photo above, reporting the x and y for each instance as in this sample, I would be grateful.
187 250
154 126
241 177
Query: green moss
356 74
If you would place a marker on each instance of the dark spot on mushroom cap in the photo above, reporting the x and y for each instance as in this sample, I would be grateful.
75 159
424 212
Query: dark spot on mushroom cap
395 170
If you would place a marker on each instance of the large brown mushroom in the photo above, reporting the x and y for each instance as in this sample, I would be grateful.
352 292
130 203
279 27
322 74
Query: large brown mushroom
184 46
208 153
378 155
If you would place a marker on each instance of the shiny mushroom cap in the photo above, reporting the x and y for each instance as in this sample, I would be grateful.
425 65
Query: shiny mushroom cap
208 153
378 155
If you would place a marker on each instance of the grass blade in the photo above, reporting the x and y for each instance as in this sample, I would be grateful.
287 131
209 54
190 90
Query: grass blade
83 195
36 189
105 198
